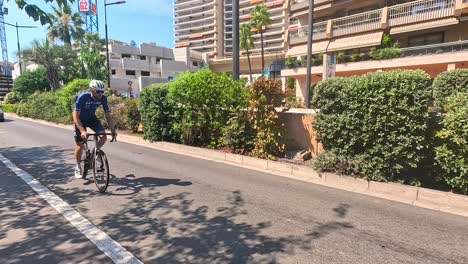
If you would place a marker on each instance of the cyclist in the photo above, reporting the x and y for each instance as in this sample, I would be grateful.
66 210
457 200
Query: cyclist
84 116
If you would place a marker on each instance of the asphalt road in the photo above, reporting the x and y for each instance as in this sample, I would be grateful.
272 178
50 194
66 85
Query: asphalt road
167 208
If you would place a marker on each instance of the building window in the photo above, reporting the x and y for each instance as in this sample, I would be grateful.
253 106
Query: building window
142 57
194 63
113 72
145 73
428 39
127 72
126 56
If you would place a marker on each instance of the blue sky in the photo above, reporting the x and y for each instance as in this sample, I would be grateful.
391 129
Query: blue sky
139 20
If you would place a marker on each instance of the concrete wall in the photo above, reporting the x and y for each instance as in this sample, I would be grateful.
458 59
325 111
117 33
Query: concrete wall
299 134
145 81
172 68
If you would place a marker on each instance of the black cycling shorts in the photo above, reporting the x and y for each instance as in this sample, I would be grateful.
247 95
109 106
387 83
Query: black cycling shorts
93 123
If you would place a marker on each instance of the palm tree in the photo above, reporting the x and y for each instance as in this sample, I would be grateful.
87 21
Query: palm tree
92 64
65 24
260 20
246 42
54 58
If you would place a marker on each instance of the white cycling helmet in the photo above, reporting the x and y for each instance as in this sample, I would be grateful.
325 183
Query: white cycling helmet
96 85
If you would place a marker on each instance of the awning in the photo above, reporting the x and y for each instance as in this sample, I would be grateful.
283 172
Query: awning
317 47
426 25
358 41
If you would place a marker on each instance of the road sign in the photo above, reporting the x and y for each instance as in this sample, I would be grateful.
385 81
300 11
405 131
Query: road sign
266 71
329 66
93 8
83 6
130 82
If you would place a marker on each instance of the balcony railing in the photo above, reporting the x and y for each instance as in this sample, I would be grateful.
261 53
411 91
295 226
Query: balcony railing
418 11
319 31
435 49
367 21
403 14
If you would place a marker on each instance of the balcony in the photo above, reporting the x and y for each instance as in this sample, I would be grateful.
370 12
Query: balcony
380 19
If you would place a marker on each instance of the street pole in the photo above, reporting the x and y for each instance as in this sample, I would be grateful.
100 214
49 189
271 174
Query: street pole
107 44
235 40
19 48
309 53
18 41
107 38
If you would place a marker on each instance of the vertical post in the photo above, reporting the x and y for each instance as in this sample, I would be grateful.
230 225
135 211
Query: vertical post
309 52
235 40
107 45
19 49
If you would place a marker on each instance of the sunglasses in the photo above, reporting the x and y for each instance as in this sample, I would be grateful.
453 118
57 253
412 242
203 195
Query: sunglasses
99 91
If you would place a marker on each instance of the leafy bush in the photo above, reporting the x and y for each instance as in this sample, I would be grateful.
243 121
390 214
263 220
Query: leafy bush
69 93
263 96
30 82
202 102
452 152
379 118
125 113
11 98
156 113
385 53
327 161
8 108
449 83
238 134
45 106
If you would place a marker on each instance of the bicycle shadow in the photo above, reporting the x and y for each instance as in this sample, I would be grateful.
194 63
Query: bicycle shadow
131 184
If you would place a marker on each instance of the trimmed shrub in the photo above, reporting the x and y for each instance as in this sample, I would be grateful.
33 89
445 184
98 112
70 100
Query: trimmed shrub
238 134
8 108
263 96
202 102
327 161
69 93
385 53
45 106
156 113
380 119
452 150
124 111
449 83
30 82
11 98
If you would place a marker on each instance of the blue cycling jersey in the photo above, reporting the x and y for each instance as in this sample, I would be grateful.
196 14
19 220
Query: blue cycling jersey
87 105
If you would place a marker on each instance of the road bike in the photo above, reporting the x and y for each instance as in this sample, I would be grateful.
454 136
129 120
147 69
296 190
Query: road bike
95 160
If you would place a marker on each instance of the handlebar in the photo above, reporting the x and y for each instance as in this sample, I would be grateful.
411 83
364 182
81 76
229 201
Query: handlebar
114 137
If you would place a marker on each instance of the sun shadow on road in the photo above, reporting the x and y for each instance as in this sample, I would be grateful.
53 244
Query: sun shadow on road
173 229
131 184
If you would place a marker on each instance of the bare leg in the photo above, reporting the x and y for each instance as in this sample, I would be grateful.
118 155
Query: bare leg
78 151
102 141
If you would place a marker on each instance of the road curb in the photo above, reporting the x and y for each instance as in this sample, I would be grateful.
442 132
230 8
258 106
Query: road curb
416 196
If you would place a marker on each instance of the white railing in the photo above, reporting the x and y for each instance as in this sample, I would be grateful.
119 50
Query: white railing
357 23
320 30
418 11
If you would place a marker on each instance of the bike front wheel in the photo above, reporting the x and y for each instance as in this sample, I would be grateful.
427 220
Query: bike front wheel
101 171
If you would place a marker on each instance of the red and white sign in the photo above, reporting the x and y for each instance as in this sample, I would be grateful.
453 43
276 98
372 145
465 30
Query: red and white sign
83 6
93 8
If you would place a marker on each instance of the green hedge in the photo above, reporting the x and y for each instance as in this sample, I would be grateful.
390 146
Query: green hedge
8 108
201 104
156 113
452 150
380 119
45 106
11 98
449 83
124 113
30 82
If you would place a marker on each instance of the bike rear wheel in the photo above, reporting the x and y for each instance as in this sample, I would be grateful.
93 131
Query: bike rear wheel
101 171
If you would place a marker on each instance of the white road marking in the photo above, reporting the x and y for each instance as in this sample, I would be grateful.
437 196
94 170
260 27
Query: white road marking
111 248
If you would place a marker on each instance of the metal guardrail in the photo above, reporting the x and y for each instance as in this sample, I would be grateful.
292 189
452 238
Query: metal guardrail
357 23
418 11
435 49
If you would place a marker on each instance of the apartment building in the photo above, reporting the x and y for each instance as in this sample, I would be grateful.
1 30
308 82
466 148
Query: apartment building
148 63
198 24
432 35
